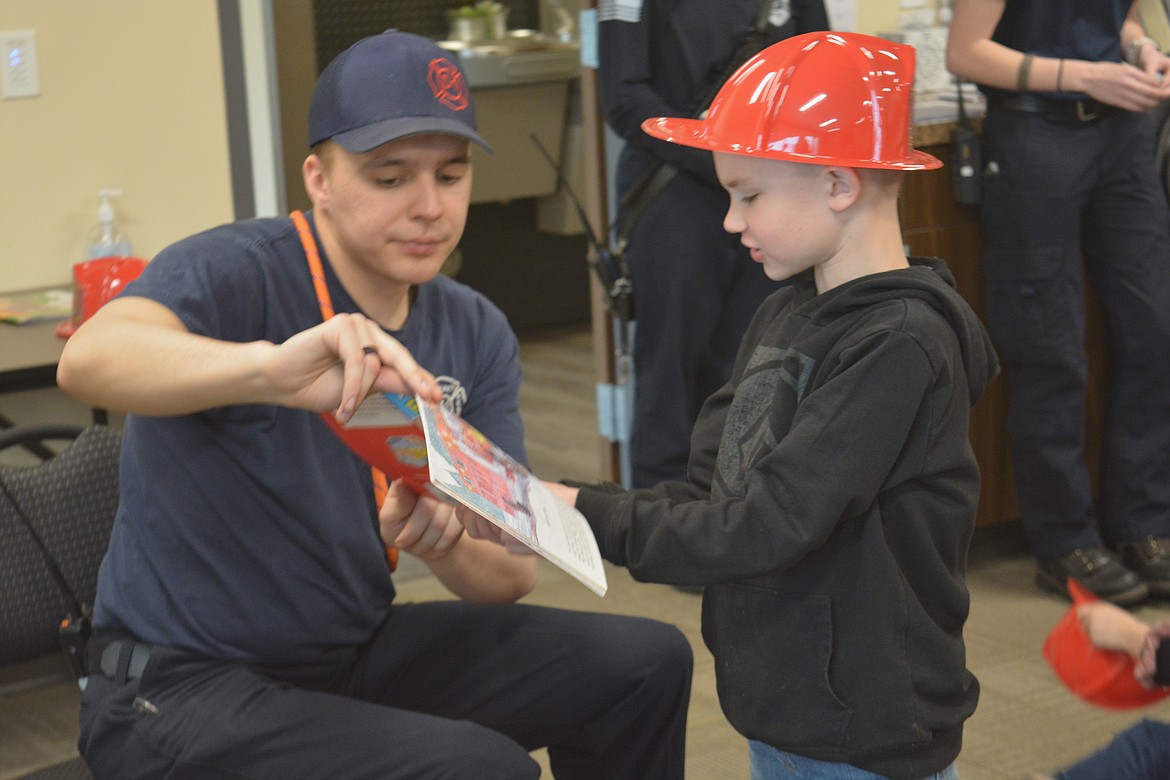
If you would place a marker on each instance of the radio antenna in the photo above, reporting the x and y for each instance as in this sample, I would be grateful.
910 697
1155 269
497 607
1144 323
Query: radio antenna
609 266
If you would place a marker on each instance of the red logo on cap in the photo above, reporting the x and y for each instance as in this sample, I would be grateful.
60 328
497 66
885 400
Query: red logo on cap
446 82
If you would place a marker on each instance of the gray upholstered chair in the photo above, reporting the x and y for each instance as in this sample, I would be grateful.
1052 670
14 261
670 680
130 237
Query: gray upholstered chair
55 520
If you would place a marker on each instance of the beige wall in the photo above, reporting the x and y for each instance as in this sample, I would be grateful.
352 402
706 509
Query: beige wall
296 70
131 97
874 16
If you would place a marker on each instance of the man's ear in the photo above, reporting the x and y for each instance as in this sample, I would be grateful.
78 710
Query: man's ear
844 187
316 178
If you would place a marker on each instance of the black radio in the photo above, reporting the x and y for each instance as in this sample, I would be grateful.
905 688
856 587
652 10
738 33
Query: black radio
966 159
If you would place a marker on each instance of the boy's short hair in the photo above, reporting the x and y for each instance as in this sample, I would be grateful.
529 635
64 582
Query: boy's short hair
886 179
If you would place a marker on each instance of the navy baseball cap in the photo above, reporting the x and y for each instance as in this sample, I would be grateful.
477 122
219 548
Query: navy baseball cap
389 86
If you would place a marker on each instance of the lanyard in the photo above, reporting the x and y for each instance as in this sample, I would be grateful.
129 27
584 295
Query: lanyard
317 272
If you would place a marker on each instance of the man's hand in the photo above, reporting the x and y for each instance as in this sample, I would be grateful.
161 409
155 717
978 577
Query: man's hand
419 525
479 527
135 355
335 365
479 568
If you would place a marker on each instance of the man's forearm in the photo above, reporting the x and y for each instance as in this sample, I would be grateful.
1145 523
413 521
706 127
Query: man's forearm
149 365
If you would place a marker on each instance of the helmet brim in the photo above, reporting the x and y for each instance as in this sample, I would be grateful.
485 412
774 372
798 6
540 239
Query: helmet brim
697 133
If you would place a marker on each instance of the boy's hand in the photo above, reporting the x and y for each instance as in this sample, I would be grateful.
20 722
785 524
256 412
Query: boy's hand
419 525
1112 628
564 492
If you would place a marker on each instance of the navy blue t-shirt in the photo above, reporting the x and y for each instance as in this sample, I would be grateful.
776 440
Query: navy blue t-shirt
250 532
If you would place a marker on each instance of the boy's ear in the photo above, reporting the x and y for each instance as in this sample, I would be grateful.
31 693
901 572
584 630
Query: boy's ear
844 187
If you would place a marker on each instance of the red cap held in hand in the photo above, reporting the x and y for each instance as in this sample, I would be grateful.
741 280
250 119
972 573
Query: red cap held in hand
1101 677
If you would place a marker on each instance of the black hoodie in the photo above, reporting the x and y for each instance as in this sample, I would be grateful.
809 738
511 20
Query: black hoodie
830 505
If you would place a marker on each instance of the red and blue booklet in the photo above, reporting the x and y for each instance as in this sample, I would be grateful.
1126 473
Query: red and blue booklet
386 432
432 449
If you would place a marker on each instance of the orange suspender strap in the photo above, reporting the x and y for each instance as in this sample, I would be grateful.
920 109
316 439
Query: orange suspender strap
318 274
380 491
313 257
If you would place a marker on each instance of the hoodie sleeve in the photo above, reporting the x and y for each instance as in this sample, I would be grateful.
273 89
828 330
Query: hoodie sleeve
866 428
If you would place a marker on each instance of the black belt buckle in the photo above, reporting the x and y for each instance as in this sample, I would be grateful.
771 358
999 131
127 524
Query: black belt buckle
1087 114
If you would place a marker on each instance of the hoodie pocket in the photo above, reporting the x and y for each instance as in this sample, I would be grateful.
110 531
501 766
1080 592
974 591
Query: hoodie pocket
772 652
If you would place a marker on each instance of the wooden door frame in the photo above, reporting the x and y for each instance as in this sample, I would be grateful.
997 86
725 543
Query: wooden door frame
596 205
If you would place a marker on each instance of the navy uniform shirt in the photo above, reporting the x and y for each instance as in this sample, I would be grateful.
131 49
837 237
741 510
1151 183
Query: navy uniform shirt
1072 29
250 532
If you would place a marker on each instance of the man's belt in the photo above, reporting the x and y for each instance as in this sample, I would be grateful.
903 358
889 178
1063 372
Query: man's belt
1085 110
120 656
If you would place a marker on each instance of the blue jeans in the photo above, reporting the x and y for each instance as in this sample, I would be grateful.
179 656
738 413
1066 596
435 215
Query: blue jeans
768 763
1141 752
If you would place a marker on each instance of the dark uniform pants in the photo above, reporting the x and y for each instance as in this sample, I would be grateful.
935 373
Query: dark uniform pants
695 290
445 689
1066 191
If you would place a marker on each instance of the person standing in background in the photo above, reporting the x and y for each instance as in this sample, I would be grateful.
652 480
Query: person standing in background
1070 192
695 289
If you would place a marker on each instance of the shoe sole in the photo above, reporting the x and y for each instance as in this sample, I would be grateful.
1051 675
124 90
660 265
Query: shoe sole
1126 598
1159 589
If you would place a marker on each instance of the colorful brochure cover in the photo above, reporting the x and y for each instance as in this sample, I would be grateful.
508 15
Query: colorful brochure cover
386 432
434 449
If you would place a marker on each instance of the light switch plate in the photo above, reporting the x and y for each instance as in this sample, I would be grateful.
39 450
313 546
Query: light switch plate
19 72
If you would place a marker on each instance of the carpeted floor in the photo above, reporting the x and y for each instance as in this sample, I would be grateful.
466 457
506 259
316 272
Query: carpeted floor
1026 721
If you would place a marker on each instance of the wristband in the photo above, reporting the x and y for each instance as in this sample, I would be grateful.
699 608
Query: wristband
1134 48
1022 75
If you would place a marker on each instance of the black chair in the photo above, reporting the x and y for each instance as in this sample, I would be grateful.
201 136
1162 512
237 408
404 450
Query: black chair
55 520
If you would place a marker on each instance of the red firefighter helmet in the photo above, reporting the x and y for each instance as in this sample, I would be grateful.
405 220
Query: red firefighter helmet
831 98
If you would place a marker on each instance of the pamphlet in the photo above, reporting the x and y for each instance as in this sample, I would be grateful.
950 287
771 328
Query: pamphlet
37 305
433 449
385 431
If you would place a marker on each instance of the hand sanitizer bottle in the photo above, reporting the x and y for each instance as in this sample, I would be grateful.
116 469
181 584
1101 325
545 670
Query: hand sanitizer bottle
107 239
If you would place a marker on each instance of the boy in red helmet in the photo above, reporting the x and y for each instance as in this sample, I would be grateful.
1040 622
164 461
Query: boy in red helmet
832 489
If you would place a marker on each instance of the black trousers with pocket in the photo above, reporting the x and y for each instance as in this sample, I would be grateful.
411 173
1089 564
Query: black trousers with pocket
696 290
1067 202
444 690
